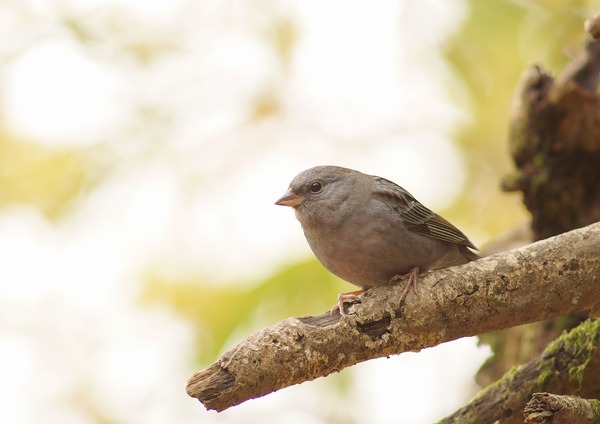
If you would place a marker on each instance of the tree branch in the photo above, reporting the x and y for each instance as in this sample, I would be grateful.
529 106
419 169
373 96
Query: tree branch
550 278
546 408
570 364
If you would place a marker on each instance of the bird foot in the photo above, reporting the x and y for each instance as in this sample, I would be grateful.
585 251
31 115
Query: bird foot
411 278
344 297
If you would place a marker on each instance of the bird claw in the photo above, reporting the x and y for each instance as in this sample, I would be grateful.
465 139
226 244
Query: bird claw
342 298
412 277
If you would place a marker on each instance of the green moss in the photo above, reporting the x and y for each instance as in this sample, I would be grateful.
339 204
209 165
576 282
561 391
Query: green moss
545 376
576 375
505 381
581 342
595 404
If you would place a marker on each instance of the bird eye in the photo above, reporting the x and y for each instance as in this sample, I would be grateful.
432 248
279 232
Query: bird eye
315 187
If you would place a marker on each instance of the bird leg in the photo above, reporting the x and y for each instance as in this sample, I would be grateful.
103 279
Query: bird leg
412 277
343 297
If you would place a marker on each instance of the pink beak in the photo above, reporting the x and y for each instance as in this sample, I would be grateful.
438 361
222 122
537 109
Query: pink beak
289 198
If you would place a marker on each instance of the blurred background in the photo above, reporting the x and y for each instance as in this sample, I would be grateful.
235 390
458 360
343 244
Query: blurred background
143 143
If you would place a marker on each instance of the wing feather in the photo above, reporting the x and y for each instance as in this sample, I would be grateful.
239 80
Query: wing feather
417 217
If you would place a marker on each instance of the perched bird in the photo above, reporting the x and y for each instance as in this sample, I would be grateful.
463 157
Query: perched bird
371 232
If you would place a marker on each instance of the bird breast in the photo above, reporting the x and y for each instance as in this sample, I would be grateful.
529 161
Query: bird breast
368 248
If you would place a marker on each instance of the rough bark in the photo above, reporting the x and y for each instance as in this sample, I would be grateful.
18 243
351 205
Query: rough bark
570 364
546 279
547 408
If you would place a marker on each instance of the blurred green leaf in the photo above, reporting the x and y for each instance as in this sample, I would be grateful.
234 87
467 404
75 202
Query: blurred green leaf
44 178
219 311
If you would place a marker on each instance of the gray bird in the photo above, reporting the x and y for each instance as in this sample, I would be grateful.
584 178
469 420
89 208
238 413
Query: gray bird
371 232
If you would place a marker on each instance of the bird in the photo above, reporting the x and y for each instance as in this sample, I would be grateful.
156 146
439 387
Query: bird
371 232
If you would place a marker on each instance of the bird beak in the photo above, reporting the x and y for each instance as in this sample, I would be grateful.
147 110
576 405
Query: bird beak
289 198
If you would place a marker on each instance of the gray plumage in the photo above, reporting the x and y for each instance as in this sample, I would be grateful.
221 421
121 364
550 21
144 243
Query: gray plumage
368 230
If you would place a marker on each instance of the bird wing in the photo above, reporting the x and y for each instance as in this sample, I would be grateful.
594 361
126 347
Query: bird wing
417 217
